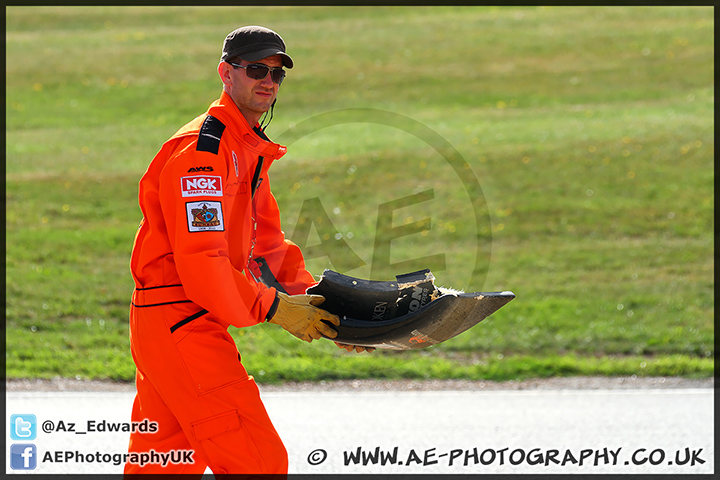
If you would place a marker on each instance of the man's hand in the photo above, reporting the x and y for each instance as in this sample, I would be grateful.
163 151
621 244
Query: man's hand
357 348
299 315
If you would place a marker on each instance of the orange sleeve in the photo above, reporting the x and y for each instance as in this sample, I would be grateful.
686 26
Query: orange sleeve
196 210
283 257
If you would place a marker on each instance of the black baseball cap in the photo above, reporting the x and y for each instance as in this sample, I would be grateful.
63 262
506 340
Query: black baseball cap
254 43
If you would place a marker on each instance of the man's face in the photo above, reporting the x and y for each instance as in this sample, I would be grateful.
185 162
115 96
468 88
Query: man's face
253 97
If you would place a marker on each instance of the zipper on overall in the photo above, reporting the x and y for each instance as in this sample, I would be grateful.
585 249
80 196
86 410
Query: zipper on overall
253 239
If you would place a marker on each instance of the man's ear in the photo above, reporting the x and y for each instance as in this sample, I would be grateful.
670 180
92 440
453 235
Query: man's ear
224 72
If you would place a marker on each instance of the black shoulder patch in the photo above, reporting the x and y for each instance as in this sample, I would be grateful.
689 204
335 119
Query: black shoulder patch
210 135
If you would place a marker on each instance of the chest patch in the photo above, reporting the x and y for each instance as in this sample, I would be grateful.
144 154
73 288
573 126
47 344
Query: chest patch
201 186
205 216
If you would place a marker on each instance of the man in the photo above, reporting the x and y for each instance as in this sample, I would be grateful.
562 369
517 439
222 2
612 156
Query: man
208 246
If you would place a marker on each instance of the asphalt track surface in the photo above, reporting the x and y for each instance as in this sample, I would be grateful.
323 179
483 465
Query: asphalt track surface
455 428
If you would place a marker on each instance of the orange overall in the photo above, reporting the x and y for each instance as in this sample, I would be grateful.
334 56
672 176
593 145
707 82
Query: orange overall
208 213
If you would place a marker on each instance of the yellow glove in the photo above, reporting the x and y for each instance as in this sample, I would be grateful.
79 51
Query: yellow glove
299 315
357 348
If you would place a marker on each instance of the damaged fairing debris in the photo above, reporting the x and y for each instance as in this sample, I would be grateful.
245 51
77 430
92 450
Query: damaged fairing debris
405 314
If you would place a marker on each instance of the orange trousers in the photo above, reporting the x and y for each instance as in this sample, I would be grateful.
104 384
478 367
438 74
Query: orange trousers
191 383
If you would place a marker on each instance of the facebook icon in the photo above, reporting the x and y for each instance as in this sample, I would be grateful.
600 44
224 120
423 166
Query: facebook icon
23 456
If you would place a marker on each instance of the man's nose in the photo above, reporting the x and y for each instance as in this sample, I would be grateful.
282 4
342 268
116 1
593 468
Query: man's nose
267 81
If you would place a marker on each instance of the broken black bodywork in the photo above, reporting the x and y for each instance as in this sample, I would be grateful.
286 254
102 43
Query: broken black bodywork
405 314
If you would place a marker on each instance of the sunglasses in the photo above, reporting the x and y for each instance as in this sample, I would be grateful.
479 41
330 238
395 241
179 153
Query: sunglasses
258 71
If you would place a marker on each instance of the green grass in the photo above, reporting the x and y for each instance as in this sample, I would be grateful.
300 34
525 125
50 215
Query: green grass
589 133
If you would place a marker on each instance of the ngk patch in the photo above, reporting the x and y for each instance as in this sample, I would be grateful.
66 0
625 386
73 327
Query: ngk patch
205 216
201 185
